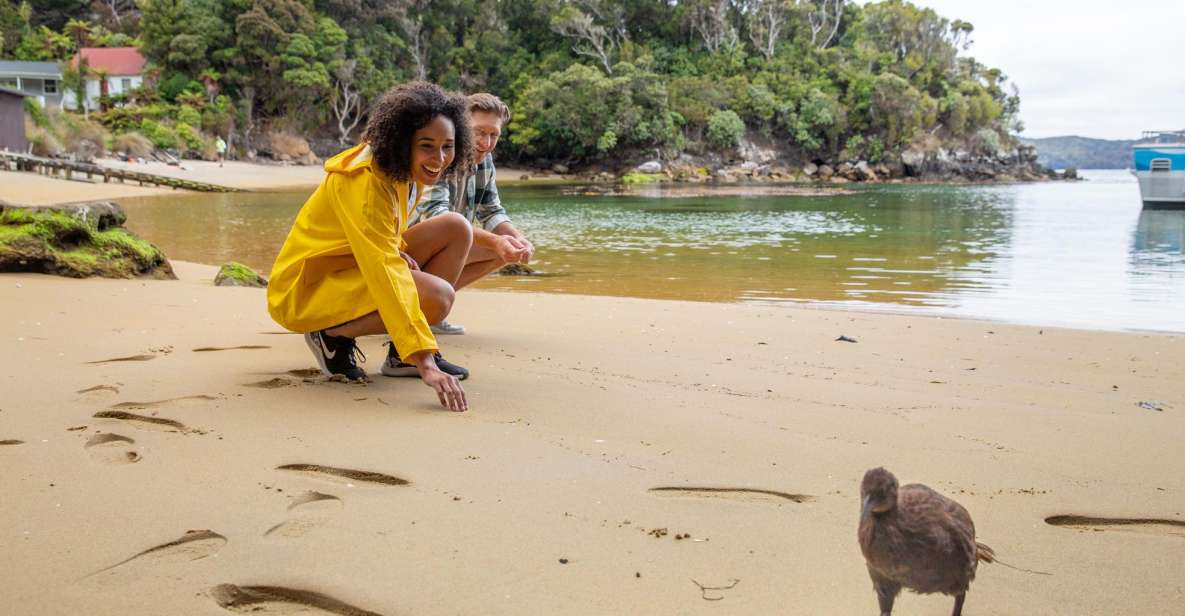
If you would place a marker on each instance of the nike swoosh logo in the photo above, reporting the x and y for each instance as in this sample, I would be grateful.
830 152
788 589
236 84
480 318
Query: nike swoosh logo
324 349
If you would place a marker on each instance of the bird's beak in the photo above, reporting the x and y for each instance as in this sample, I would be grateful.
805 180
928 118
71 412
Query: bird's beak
866 507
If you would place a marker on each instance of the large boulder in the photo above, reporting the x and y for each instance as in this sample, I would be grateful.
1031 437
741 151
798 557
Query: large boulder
79 241
864 173
235 274
825 172
913 161
846 170
810 169
650 166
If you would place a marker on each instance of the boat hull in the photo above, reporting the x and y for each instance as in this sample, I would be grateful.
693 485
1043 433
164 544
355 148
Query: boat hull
1160 170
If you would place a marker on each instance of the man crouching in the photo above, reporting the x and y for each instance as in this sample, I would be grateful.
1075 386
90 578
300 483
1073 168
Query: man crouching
474 195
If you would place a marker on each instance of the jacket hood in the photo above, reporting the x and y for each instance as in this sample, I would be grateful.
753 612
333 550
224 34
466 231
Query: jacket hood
351 160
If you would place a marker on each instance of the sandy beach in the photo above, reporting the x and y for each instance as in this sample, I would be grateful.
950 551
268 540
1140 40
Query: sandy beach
155 419
23 188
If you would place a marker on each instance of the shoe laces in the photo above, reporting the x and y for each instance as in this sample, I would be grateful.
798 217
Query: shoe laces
393 352
356 356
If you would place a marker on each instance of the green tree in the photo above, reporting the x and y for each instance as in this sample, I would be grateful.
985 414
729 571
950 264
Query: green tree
725 129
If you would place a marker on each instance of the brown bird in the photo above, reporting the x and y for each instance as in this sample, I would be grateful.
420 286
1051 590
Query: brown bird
916 538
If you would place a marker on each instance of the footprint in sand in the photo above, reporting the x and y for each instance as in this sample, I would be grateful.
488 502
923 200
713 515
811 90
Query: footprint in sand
307 511
143 421
98 388
275 383
193 545
117 359
11 441
111 448
156 403
343 475
305 373
280 600
243 347
739 494
1149 526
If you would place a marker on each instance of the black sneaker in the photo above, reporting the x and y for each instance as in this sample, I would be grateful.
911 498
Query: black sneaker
336 355
395 366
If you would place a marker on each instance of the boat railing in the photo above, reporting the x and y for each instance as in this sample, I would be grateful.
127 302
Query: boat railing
1160 136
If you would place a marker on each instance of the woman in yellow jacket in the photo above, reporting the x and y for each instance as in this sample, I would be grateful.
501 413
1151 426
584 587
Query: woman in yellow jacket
350 266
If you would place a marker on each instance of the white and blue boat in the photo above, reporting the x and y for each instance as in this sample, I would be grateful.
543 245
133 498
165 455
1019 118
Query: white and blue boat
1160 169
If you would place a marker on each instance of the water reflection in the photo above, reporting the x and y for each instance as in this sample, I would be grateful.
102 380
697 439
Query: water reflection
1063 254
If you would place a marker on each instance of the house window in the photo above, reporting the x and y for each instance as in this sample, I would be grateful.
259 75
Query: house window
51 86
7 82
125 85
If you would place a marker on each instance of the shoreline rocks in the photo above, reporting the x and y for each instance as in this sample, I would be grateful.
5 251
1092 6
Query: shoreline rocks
235 274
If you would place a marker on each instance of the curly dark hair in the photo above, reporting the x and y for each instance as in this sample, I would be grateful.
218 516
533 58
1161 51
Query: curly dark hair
403 110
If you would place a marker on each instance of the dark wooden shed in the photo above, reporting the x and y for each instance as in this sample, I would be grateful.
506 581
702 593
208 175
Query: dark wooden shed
12 121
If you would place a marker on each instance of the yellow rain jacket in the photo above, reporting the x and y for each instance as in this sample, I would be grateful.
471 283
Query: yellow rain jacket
341 259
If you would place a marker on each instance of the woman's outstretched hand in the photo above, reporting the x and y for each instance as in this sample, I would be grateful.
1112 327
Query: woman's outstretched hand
448 389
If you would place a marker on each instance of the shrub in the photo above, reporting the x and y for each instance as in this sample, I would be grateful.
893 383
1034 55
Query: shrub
83 138
42 142
725 129
987 141
189 115
36 113
160 135
134 144
188 137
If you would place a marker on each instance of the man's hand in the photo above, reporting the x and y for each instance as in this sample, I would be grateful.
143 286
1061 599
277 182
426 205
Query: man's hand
510 250
411 263
525 248
448 389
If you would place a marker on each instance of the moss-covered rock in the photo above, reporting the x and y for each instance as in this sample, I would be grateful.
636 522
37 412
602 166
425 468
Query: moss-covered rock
79 241
235 274
635 177
517 269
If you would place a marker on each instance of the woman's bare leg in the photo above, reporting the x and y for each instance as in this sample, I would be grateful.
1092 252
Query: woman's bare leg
441 245
436 300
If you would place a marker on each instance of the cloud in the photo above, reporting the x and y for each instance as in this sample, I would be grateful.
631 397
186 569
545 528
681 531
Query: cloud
1089 67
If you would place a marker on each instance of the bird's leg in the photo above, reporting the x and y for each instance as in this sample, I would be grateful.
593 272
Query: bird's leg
886 593
959 605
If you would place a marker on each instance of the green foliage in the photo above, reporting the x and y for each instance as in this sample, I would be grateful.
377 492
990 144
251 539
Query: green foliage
177 84
642 178
188 137
557 121
160 135
36 113
44 45
606 80
725 129
188 115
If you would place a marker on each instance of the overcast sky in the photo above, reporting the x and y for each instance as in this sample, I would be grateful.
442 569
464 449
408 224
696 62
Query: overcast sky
1096 68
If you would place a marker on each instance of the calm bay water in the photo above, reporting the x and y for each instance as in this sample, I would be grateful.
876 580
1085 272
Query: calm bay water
1075 254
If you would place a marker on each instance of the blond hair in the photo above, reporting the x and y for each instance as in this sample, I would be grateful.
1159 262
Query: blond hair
484 101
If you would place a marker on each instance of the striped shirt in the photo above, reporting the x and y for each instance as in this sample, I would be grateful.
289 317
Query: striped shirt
473 195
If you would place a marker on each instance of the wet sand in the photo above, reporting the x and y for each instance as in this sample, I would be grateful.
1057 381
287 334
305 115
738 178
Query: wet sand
165 451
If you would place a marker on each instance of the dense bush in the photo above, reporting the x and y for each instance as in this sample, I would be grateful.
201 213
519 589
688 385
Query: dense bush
160 135
725 129
133 144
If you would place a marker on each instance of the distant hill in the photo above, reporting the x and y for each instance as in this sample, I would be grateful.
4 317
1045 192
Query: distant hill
1083 152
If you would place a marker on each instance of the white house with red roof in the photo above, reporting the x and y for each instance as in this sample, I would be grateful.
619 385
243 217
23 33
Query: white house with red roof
110 71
